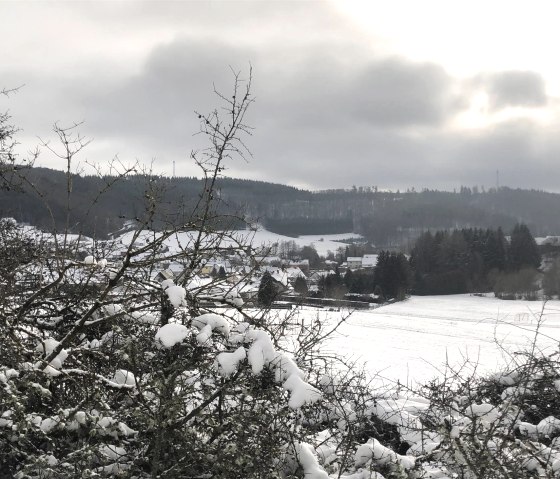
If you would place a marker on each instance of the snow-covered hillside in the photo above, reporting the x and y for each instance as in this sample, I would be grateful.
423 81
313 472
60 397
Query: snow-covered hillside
325 243
322 243
257 238
411 341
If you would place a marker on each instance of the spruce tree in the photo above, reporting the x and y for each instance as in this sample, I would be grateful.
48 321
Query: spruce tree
393 274
221 273
300 286
349 279
523 250
494 250
267 290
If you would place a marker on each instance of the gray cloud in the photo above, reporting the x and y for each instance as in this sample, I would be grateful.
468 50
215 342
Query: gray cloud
316 96
156 106
395 92
515 88
330 111
382 92
525 156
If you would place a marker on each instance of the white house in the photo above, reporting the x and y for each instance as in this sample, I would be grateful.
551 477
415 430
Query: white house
369 261
354 262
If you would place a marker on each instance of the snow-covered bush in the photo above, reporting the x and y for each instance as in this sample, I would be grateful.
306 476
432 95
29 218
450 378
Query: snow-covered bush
106 371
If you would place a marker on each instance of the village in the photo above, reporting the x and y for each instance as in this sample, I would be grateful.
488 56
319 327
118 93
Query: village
226 272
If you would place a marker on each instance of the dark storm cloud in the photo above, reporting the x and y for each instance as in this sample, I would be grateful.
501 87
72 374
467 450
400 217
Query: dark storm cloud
396 92
305 100
156 107
385 93
515 88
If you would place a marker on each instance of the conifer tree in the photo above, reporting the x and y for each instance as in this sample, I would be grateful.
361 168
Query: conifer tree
523 249
221 273
349 279
267 291
300 286
494 250
393 275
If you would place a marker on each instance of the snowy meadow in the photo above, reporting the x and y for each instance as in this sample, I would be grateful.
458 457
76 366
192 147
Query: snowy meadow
413 340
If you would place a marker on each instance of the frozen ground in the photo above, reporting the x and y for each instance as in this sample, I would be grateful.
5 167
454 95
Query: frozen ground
411 341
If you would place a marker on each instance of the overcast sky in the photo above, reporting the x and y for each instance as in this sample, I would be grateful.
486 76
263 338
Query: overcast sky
396 93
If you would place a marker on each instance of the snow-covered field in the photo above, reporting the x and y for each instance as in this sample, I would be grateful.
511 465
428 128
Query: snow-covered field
325 243
322 243
411 341
259 238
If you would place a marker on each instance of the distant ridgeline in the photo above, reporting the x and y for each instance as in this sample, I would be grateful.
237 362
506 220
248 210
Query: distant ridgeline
387 219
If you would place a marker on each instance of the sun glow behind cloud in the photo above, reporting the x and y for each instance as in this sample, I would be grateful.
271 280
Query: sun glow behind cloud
468 38
479 115
465 37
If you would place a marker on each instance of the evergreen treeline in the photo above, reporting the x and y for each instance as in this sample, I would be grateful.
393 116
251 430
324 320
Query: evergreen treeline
452 262
390 279
309 226
98 215
471 260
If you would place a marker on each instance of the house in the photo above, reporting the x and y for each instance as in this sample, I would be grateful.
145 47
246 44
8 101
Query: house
196 283
331 264
215 265
354 262
267 260
303 265
249 290
316 276
176 268
549 240
164 275
278 274
369 261
294 273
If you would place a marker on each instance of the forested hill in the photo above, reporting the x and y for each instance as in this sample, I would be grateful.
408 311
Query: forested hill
101 205
387 218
